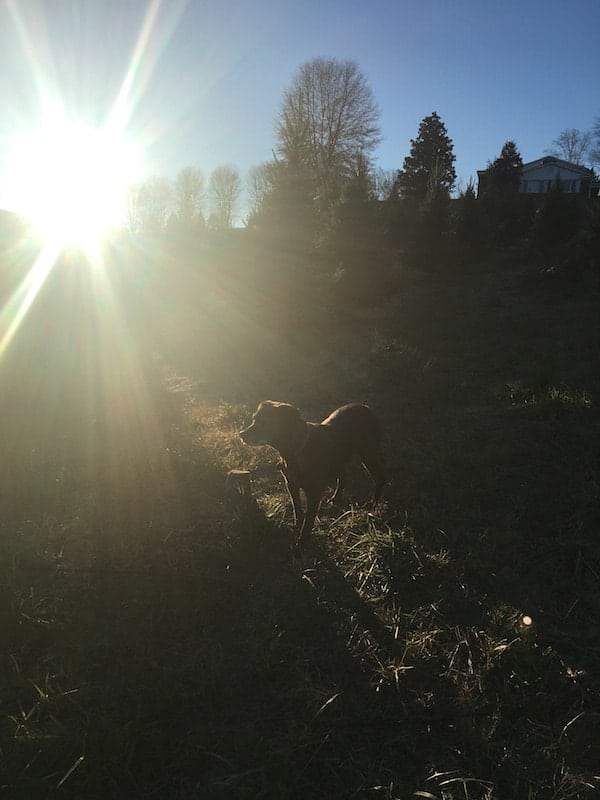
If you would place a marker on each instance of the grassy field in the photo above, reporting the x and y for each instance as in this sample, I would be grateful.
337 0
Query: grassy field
159 643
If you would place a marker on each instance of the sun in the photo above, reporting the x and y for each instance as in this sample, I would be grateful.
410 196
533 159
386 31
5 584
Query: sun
71 181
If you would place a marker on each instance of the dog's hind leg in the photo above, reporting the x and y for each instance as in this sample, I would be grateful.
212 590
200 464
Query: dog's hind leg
339 487
372 461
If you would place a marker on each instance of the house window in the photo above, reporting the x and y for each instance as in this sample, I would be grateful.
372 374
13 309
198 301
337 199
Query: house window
571 186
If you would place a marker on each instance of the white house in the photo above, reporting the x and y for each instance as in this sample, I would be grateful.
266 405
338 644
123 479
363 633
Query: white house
538 177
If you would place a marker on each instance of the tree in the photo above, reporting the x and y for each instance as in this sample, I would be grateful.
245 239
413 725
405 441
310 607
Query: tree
286 214
150 205
355 240
259 184
327 117
384 183
225 188
594 154
504 174
470 225
187 197
508 211
352 218
431 229
431 158
572 145
555 223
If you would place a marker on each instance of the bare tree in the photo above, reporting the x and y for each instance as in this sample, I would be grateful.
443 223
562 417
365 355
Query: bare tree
572 145
225 188
384 182
150 204
327 117
259 184
594 155
188 193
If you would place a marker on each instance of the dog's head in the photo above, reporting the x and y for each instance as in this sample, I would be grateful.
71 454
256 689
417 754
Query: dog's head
276 424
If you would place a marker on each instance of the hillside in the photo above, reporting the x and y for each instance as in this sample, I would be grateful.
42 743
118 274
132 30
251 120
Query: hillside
160 643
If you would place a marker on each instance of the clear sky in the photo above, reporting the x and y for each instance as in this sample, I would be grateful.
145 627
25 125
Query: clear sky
201 81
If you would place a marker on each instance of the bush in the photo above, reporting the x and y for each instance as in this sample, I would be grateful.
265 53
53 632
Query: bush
555 223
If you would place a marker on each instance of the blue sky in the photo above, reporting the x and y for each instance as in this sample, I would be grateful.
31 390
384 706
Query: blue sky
207 77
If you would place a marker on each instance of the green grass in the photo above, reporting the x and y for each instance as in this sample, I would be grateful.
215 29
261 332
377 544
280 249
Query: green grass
159 643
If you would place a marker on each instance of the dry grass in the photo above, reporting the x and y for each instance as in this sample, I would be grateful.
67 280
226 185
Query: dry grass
159 643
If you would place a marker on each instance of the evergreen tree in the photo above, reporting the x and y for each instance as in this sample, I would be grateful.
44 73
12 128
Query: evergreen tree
470 225
431 158
355 237
431 229
509 212
504 174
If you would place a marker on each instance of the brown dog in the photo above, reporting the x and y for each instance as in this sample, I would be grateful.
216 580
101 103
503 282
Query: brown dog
314 455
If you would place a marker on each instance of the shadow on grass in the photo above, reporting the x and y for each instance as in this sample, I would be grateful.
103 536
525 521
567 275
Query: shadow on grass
159 646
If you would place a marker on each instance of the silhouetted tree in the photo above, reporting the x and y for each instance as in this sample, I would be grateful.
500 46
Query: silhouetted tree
470 225
432 227
508 211
224 189
282 230
504 174
594 152
556 222
286 218
327 117
572 145
259 183
431 155
150 204
188 191
384 180
354 242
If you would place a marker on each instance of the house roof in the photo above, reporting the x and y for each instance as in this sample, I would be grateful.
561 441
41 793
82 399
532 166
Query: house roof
545 161
559 162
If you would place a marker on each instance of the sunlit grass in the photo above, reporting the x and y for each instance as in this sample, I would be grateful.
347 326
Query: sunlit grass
183 650
550 395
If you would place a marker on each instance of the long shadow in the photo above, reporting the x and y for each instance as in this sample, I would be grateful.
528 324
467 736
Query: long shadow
189 655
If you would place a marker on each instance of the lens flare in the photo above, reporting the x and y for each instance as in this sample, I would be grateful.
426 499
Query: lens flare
71 181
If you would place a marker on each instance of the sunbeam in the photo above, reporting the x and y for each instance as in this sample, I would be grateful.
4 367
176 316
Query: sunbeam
15 310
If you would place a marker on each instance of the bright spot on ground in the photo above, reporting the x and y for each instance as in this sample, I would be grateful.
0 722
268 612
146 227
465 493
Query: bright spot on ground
71 181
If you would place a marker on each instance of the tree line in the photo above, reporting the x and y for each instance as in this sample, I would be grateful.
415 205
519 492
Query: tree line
322 204
186 203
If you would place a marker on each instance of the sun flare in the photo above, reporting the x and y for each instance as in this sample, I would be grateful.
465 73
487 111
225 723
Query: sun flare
71 181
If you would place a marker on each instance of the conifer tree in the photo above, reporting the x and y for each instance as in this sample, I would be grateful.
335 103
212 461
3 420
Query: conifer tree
509 212
431 159
504 174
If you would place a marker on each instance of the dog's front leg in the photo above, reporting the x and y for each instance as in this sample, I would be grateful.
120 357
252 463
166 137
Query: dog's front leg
294 493
312 508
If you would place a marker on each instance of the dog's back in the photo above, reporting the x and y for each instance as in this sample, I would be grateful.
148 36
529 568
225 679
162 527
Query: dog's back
354 425
356 431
